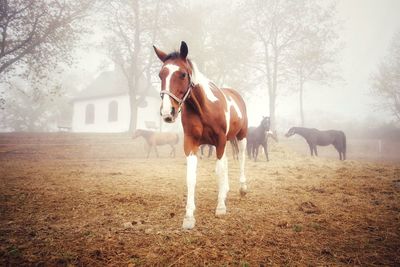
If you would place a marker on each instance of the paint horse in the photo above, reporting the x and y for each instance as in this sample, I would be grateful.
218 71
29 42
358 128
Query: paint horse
256 137
154 139
209 115
316 137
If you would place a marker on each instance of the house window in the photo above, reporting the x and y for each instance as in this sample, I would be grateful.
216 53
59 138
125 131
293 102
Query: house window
89 116
113 111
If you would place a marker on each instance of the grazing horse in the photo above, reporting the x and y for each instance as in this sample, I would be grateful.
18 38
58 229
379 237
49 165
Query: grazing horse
315 137
258 136
155 139
210 115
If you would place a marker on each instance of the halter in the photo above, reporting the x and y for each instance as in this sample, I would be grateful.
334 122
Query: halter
177 99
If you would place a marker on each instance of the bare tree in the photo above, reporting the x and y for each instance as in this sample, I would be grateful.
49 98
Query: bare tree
34 104
313 59
279 27
38 32
130 25
386 81
221 53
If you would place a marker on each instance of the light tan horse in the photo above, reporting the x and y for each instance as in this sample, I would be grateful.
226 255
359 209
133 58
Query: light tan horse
155 139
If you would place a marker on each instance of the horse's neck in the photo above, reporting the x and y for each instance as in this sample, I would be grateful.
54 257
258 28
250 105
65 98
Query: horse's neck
146 134
197 100
301 131
261 129
201 92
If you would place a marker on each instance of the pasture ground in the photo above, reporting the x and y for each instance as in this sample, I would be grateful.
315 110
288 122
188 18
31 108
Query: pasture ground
93 200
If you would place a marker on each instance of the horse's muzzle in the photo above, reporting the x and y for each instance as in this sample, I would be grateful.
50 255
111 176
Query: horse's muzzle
168 118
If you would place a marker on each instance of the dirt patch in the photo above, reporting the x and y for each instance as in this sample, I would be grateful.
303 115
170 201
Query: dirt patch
100 203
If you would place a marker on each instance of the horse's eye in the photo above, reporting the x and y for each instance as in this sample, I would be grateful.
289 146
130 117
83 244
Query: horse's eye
183 75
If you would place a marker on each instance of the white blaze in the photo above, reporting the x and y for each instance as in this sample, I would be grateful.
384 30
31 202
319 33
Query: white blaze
166 102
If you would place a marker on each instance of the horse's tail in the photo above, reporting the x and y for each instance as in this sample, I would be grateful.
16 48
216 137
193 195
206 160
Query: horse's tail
235 147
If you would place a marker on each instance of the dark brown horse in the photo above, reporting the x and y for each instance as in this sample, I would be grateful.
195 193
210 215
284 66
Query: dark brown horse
154 139
210 115
256 137
315 137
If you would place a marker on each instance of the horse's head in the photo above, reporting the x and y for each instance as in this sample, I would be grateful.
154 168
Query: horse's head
291 132
176 83
266 123
138 133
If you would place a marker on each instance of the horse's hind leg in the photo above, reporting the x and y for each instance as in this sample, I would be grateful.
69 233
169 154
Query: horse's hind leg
242 158
172 153
221 169
265 146
249 150
210 150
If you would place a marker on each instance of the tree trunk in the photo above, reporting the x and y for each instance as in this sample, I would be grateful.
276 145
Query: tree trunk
134 112
134 83
272 102
301 105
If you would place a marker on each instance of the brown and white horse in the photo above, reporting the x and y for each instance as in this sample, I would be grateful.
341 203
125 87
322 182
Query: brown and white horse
210 115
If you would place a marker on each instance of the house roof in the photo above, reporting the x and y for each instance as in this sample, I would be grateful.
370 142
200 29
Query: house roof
111 83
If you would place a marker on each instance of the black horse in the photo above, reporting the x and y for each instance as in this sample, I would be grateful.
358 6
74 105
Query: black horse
315 137
256 136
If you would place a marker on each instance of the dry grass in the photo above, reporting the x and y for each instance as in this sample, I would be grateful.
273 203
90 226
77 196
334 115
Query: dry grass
81 203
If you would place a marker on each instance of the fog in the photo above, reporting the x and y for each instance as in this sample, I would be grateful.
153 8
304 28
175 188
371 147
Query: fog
223 42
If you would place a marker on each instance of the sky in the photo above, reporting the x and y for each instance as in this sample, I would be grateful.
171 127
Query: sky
367 31
368 28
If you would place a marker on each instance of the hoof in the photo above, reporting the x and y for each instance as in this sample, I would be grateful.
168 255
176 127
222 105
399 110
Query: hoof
220 211
188 223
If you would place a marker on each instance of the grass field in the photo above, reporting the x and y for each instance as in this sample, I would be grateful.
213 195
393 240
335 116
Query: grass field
94 200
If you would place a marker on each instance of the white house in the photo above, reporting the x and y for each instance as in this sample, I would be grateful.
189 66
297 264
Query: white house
104 107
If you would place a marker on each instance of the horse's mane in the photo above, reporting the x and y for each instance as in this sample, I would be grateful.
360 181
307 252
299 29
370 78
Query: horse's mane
197 76
172 55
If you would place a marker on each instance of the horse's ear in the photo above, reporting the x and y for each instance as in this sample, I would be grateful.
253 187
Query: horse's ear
183 50
160 54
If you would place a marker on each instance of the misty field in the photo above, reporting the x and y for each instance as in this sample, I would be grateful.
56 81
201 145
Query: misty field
94 200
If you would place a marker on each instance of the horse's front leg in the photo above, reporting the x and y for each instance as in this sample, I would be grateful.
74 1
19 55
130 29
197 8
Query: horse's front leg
155 149
311 149
256 152
221 169
315 151
191 167
148 150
